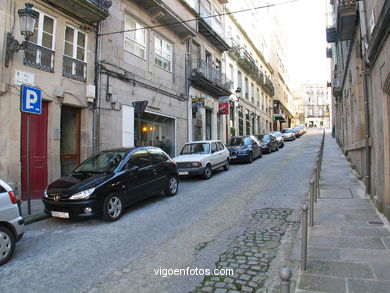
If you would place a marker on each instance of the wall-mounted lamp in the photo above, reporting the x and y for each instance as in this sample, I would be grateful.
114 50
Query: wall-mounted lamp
28 18
238 93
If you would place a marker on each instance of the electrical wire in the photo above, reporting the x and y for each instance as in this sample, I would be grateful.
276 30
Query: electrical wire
197 18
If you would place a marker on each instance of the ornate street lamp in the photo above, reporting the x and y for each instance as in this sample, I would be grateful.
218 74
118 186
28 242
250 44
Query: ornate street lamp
28 18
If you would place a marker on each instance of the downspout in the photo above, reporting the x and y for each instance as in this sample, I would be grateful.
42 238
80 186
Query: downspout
96 79
187 89
366 72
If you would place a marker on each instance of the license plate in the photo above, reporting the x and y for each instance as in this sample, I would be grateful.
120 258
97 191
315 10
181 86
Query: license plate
233 157
183 173
60 215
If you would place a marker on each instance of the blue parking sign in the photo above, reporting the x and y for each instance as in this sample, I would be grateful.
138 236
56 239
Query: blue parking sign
31 100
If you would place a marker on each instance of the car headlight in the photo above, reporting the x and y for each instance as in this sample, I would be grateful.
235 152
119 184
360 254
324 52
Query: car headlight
83 194
196 164
45 193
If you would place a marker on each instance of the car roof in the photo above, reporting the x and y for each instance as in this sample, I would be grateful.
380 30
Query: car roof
5 185
203 141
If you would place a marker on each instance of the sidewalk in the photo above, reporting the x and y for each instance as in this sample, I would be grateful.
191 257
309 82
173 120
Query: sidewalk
36 214
349 244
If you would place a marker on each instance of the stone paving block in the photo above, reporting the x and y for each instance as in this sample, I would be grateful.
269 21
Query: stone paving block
219 285
340 269
382 271
386 242
320 241
245 277
364 232
365 255
367 286
311 283
336 193
360 242
247 289
207 289
324 231
323 253
220 290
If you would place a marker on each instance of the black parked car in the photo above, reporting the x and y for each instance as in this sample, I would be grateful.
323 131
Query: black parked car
268 143
244 148
107 182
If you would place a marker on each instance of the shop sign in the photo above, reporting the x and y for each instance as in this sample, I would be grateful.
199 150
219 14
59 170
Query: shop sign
197 102
223 105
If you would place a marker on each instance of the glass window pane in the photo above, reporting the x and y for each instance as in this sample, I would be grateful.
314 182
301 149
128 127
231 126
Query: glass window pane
81 40
48 25
69 34
47 40
80 53
68 49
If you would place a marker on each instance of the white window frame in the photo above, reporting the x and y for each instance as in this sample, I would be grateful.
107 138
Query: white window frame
74 50
164 42
75 39
126 36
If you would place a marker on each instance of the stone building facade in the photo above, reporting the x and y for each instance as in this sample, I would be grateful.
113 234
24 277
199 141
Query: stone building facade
317 105
59 60
359 46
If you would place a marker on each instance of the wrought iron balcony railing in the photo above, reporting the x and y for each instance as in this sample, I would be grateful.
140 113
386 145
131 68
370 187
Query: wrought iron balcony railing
74 68
39 57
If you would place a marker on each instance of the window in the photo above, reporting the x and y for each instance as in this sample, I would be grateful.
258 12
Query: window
74 61
214 148
220 146
158 156
40 50
163 54
140 158
135 38
239 80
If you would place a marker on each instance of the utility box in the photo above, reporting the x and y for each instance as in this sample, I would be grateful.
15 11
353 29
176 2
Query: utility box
90 93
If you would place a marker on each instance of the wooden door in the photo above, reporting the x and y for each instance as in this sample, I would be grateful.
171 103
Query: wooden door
34 153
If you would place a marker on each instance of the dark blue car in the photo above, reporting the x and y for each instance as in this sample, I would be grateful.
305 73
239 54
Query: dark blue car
244 148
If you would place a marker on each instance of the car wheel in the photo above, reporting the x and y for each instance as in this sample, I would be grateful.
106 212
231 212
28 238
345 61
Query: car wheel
282 145
172 186
250 159
207 172
261 154
112 207
277 148
227 165
7 244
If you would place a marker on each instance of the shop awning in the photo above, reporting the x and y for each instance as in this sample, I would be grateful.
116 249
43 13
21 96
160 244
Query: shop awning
280 117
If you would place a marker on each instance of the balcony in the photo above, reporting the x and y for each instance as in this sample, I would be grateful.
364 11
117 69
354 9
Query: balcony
247 62
258 77
331 35
89 10
39 57
171 14
74 68
329 52
234 50
346 19
268 86
209 79
212 29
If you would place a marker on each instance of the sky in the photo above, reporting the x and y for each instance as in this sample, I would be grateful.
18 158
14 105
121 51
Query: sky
304 23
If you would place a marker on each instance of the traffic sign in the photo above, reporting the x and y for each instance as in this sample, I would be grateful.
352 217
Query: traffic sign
31 100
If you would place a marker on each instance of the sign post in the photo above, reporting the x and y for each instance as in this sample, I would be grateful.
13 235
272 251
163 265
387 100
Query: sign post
31 103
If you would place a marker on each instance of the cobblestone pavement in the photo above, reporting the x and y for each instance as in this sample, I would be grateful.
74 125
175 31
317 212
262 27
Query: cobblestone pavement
251 253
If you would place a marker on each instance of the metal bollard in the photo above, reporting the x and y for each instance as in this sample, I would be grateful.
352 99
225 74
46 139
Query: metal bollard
285 276
315 181
318 178
304 238
312 199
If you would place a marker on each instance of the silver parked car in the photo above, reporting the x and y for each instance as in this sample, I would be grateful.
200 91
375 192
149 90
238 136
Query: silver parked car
202 158
11 222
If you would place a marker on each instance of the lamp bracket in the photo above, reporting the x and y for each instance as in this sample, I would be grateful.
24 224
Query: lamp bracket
13 46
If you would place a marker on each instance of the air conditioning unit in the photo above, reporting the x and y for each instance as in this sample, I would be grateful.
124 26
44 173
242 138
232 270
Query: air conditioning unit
90 93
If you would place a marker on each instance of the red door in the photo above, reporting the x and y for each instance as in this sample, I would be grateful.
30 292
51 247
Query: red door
34 153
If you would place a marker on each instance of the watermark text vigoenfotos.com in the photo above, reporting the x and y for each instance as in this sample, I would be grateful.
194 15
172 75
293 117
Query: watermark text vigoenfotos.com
164 272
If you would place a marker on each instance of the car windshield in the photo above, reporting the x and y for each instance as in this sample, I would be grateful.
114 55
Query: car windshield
235 141
101 162
195 148
266 138
277 134
286 130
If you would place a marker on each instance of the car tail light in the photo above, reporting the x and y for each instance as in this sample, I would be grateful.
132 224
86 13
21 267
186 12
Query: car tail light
12 197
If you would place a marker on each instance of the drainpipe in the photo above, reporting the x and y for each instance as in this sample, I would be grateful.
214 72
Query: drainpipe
366 72
94 106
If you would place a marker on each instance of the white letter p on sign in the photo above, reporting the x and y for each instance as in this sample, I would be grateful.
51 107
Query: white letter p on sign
31 98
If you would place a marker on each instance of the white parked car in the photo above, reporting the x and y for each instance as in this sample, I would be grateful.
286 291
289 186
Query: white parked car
11 222
202 157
